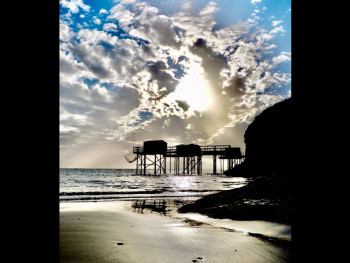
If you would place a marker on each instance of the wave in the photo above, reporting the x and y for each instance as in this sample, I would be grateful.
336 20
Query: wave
132 195
158 191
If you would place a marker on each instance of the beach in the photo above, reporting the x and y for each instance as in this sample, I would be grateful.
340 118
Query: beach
119 231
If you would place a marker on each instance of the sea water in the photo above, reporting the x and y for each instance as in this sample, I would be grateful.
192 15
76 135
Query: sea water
108 185
81 185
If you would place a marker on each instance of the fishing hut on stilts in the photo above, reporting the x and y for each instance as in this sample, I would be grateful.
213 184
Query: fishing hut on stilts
183 159
155 153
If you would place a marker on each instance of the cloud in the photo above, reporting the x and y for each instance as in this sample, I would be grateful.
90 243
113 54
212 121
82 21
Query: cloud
103 11
108 57
65 32
281 58
165 82
91 60
110 27
143 21
235 87
186 5
75 5
121 14
209 9
91 113
277 30
126 2
255 1
183 104
275 22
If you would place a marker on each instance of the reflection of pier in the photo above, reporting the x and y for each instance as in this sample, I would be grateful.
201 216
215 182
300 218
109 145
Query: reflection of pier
184 158
159 206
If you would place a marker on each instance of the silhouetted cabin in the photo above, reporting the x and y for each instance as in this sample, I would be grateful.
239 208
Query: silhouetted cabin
233 153
155 147
187 150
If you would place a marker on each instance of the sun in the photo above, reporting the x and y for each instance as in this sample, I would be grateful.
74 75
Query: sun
194 90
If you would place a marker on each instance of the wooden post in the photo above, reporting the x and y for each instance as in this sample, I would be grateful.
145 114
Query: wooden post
188 165
137 163
183 165
214 164
199 164
191 165
140 169
194 165
222 165
155 162
164 161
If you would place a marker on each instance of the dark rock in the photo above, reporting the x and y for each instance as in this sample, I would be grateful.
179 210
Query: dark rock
269 142
268 164
265 198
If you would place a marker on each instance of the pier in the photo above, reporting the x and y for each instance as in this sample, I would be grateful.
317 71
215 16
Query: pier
182 159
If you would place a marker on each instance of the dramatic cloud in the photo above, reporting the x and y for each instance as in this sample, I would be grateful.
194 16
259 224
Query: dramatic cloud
145 75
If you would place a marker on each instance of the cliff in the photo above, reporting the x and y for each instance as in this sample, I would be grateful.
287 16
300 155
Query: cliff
268 141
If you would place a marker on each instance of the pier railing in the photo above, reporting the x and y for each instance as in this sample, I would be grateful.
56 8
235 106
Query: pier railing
205 150
214 149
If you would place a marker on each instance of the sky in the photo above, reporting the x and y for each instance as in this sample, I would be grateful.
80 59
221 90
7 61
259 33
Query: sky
180 71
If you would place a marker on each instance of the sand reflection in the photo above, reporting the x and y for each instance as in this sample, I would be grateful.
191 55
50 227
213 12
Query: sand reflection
161 206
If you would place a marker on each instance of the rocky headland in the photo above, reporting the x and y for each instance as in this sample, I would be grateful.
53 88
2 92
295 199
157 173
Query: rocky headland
268 165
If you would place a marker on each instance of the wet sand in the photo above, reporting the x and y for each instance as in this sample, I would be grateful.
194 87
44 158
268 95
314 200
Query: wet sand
116 232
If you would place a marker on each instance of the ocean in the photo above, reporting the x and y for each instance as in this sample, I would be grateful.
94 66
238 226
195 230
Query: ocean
158 193
98 185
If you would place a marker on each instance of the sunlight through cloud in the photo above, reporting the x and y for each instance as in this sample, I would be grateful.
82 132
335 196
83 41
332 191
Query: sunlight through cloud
192 89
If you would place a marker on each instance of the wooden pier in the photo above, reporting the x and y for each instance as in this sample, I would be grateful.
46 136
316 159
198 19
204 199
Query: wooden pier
183 158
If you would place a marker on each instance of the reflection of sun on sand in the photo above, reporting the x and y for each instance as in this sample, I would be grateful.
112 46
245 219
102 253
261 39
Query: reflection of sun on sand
108 232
